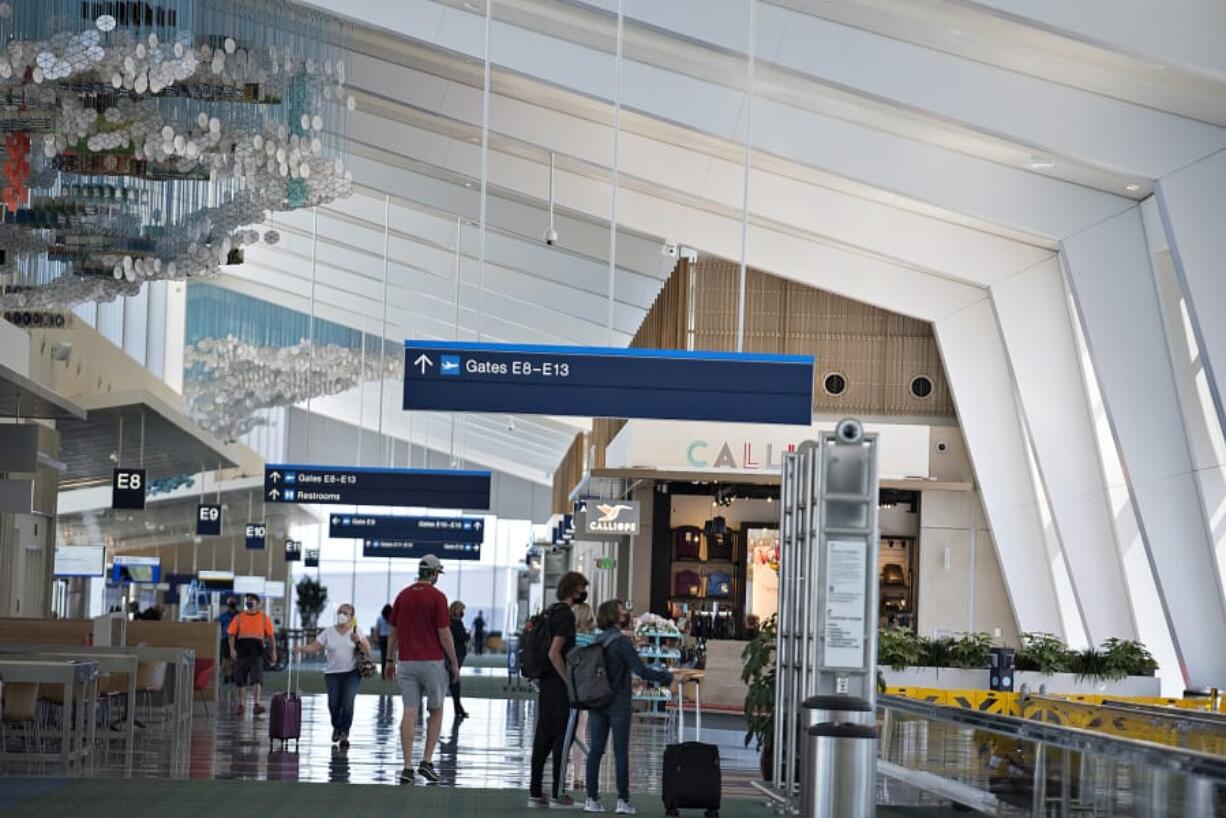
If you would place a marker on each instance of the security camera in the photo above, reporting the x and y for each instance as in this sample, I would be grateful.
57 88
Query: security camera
849 430
669 250
942 447
551 237
510 424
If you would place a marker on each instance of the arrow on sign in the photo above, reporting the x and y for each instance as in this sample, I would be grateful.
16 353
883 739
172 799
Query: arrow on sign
274 494
423 362
275 476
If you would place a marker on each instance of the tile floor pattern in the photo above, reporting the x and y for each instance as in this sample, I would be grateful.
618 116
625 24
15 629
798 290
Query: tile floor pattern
491 749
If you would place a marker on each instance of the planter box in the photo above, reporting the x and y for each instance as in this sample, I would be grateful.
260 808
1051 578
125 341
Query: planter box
952 678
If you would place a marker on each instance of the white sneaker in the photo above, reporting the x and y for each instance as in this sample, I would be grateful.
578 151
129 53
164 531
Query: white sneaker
625 808
592 805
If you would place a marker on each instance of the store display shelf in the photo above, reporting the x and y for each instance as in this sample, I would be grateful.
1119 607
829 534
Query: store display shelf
659 635
674 655
692 561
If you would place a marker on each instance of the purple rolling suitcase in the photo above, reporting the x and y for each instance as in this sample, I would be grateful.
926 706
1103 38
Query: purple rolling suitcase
285 712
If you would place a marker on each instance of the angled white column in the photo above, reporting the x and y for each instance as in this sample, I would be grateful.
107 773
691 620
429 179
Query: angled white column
1033 312
979 378
1112 281
1192 202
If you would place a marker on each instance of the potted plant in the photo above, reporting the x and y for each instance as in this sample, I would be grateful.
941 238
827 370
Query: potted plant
1043 653
312 597
758 674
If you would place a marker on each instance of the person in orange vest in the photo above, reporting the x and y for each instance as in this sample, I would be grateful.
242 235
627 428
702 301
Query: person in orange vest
251 634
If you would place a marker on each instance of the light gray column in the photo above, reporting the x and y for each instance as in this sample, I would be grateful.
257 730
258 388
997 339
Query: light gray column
1032 308
1193 202
1109 270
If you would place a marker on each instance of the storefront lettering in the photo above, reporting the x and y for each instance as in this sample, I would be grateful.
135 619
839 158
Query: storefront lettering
725 459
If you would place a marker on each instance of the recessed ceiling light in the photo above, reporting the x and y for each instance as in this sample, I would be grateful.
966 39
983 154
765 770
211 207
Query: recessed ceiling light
1132 188
1041 162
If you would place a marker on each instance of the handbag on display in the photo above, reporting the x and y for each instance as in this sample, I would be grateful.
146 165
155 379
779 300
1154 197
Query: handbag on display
687 583
687 542
719 585
720 544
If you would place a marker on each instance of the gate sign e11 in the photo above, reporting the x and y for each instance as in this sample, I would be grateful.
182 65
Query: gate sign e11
608 382
293 551
255 535
354 486
128 489
208 520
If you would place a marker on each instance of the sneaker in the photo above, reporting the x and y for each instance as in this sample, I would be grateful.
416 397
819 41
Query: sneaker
593 805
625 808
538 802
407 777
344 742
426 770
336 736
564 802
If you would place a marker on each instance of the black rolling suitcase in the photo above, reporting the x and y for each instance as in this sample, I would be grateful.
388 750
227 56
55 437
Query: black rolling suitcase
692 778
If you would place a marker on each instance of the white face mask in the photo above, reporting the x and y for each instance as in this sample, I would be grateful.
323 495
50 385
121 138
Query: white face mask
342 619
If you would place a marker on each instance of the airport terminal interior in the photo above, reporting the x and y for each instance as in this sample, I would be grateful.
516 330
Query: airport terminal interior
671 407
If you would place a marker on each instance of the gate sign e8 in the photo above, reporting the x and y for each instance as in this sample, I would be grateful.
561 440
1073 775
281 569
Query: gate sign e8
611 382
256 533
208 520
128 489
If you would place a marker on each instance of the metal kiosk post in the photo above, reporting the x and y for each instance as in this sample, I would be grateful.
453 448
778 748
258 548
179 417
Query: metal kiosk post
827 627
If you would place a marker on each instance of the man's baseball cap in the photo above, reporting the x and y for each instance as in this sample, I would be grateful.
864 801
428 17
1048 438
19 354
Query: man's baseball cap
430 563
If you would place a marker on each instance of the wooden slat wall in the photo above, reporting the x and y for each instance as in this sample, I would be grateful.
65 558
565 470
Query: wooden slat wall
568 474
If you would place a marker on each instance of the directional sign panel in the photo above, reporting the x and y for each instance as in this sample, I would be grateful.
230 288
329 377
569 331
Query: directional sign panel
408 529
347 485
608 382
402 549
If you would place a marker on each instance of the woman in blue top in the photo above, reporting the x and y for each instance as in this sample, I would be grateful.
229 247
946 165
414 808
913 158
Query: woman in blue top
621 660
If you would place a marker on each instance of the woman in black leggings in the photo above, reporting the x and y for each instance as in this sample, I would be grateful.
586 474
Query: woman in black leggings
383 628
460 637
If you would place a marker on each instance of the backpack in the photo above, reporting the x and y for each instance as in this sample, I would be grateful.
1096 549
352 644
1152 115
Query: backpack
534 646
590 686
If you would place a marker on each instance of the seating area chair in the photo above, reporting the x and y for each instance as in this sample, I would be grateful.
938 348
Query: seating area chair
20 710
151 681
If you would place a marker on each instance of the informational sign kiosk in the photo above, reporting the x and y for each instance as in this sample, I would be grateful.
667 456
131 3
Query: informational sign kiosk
827 629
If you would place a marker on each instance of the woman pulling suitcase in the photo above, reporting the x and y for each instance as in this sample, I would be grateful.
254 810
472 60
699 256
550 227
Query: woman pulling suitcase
621 661
344 647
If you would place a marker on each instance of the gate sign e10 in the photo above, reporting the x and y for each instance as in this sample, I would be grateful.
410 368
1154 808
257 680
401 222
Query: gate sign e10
208 520
608 382
255 535
128 489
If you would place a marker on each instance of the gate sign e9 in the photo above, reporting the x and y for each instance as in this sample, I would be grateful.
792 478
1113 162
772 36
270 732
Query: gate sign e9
128 489
255 535
208 520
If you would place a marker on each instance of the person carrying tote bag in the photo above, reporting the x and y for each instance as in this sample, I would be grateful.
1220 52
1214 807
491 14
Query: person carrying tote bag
348 662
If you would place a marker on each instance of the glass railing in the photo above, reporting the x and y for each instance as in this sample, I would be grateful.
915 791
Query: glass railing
1003 765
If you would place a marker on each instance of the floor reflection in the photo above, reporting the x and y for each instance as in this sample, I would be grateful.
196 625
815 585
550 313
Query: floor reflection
489 749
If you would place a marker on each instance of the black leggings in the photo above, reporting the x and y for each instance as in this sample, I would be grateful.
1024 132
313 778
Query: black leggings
552 715
383 656
455 697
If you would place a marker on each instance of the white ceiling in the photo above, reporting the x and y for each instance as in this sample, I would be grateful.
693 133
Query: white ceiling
906 154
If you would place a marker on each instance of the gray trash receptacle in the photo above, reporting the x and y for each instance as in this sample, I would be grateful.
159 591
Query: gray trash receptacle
841 771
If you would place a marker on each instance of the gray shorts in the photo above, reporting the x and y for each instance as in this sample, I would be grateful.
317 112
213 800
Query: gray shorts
417 679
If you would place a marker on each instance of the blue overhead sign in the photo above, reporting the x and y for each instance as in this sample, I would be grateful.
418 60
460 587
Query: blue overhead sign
408 529
608 382
402 549
347 485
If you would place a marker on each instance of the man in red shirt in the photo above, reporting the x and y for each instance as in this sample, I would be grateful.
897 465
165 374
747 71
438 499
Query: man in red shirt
422 649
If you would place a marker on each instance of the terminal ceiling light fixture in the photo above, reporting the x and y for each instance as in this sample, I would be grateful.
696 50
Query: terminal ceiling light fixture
228 383
142 140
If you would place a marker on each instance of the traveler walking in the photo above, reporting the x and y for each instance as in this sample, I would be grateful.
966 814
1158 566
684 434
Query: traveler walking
621 660
251 634
553 701
585 634
341 677
223 622
383 627
479 633
421 647
459 636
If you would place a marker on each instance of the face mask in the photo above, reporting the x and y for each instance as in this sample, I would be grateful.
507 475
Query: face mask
342 619
232 605
581 597
251 606
625 623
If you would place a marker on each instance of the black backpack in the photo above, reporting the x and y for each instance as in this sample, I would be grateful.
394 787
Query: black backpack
534 646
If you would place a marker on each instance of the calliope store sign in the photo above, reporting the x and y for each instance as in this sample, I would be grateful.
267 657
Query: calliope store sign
751 447
607 518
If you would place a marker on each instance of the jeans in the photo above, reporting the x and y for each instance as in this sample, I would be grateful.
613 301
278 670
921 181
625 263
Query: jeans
342 690
552 714
615 717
